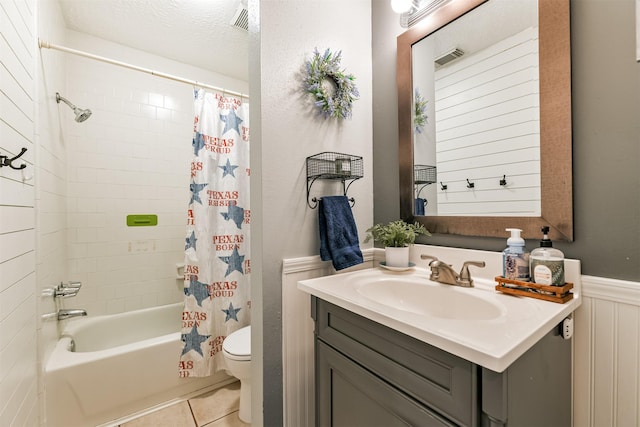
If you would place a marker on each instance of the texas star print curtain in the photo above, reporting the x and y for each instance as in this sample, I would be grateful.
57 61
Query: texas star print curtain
217 261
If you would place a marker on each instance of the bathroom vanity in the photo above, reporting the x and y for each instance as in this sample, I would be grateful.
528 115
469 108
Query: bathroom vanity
370 375
394 348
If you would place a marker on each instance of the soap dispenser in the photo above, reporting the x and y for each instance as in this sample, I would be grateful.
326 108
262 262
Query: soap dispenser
547 263
515 259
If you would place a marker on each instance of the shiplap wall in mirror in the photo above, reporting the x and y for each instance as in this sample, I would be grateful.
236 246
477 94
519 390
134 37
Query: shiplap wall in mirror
554 115
485 120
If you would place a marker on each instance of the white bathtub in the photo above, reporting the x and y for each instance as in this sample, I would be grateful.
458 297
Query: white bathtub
122 364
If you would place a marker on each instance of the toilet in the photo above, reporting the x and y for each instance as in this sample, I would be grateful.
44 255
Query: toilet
237 354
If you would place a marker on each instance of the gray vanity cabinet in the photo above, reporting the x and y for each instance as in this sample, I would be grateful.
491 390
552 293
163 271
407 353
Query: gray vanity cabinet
369 375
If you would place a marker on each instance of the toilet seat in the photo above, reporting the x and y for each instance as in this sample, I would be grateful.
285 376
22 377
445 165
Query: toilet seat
237 345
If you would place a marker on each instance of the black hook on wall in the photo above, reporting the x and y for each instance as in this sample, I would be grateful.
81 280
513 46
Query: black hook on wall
503 181
7 161
470 184
443 187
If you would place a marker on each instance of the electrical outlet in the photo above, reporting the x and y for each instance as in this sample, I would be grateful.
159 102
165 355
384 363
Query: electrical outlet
566 328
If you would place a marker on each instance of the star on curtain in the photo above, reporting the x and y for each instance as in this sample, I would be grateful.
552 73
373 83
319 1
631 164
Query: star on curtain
233 261
193 341
234 213
228 169
231 121
197 143
195 189
232 313
199 290
191 241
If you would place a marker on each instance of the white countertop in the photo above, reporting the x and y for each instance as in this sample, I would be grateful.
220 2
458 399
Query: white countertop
493 342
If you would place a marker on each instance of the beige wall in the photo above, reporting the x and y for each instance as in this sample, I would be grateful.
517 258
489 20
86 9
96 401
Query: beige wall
287 130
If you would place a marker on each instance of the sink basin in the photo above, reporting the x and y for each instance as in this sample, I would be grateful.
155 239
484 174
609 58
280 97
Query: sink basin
432 299
479 324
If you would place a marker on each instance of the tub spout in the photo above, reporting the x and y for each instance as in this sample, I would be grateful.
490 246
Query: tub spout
69 313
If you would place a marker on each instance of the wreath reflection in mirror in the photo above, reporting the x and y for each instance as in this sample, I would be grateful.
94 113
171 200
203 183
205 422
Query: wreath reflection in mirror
419 112
332 89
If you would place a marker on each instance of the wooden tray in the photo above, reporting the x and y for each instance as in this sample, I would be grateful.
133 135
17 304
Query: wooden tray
559 294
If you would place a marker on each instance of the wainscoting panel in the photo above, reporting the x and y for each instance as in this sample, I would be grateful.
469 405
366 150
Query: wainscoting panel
297 336
607 354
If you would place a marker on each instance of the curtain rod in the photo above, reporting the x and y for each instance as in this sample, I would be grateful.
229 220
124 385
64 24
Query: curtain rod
47 45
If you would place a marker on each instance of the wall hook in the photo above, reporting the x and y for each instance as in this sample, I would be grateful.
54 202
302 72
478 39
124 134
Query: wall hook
470 184
443 187
7 161
503 181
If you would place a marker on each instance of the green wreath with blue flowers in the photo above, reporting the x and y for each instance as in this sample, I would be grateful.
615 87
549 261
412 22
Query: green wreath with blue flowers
333 90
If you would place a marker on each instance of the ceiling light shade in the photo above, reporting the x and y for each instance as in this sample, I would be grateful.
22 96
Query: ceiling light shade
401 6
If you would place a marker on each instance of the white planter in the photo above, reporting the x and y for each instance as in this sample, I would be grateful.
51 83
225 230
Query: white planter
396 257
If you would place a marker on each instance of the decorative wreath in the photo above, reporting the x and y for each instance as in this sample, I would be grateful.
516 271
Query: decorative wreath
419 112
324 69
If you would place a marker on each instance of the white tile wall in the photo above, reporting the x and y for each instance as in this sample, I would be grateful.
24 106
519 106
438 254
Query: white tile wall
18 367
51 187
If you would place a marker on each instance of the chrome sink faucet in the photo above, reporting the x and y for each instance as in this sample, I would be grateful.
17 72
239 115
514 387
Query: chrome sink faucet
443 273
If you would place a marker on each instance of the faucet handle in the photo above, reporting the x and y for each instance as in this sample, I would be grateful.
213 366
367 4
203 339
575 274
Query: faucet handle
434 264
70 289
431 257
465 277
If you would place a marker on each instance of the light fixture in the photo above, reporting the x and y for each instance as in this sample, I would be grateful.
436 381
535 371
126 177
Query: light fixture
401 6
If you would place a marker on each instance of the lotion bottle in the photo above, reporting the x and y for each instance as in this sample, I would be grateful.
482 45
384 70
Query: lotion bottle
515 259
547 263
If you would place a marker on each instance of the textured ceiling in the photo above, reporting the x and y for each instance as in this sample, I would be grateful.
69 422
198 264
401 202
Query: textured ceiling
196 32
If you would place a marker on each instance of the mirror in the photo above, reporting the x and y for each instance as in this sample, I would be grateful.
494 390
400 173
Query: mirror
483 196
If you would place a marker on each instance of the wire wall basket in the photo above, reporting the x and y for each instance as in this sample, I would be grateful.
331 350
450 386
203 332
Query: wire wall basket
424 174
334 166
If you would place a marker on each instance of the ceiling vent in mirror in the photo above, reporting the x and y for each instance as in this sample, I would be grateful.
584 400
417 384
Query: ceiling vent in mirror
241 18
449 56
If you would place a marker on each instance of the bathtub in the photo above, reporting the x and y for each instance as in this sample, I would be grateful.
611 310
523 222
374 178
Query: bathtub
106 368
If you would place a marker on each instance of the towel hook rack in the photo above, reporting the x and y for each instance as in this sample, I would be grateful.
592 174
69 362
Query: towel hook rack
333 166
8 161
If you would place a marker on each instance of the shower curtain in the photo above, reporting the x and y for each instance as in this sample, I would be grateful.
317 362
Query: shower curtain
217 259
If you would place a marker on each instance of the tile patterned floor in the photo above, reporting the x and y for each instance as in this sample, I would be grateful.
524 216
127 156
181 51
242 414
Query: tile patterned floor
218 408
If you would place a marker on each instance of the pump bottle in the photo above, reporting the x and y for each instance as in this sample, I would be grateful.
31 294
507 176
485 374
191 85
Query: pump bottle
547 263
515 259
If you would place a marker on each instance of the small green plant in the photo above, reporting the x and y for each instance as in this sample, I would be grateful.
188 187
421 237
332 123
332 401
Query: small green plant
419 112
396 234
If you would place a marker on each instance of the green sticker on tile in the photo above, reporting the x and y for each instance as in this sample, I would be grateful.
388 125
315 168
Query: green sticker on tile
142 220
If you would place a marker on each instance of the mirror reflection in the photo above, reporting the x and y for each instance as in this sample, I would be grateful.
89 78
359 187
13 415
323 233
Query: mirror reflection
506 172
476 115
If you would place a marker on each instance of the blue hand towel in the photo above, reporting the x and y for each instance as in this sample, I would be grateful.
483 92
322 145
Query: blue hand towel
338 233
419 206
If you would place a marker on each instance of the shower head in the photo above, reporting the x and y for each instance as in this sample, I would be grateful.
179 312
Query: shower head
81 115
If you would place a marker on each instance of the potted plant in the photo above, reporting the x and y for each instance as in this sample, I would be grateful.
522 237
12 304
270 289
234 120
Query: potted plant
396 236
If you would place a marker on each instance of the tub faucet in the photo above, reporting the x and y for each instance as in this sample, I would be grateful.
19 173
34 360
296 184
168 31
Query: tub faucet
69 313
443 273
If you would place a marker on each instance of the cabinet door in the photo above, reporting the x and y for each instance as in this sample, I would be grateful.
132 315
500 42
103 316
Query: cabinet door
436 379
350 396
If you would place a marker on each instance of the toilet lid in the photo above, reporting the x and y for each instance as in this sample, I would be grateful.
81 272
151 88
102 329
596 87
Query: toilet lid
238 343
